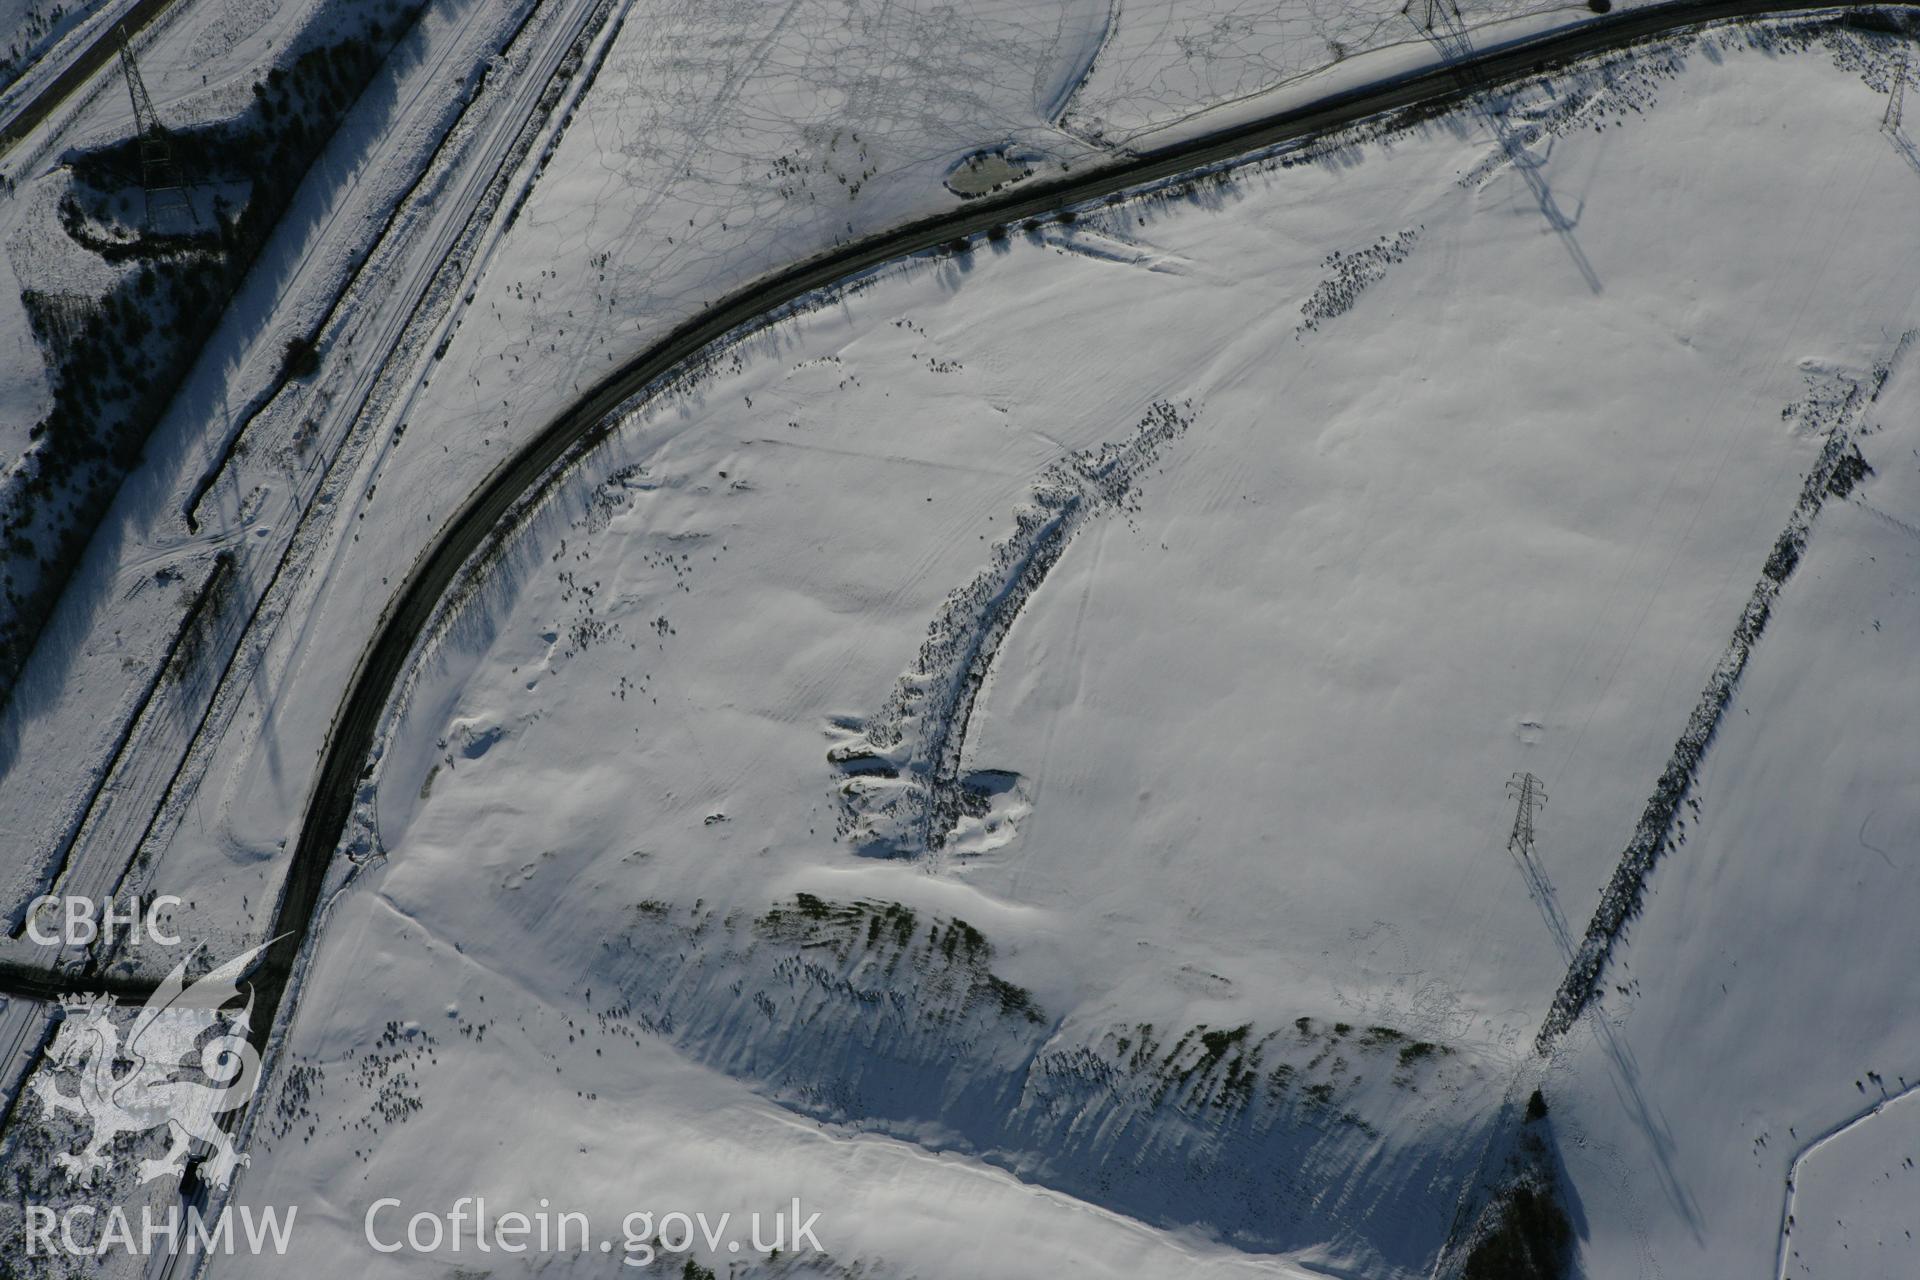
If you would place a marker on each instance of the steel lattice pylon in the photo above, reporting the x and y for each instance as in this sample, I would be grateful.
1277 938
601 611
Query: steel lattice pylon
1896 101
160 177
1530 795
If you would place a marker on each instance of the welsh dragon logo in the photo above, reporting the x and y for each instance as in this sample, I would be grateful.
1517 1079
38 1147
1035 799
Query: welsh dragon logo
151 1081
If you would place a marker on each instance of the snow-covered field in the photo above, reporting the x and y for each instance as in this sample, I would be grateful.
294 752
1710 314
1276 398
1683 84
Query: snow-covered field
1201 571
1768 989
1015 753
754 136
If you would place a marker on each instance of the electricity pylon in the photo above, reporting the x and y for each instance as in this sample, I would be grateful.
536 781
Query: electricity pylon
160 175
1529 793
1896 101
1444 25
1432 7
1890 122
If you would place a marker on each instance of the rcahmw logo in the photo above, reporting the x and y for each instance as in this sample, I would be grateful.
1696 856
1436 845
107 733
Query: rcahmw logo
183 1063
146 1082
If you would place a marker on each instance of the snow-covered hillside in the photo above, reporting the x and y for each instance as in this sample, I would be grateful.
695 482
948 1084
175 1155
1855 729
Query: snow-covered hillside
1763 1001
743 129
1016 752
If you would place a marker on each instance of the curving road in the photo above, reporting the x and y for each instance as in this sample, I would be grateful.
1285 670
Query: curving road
350 737
382 664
